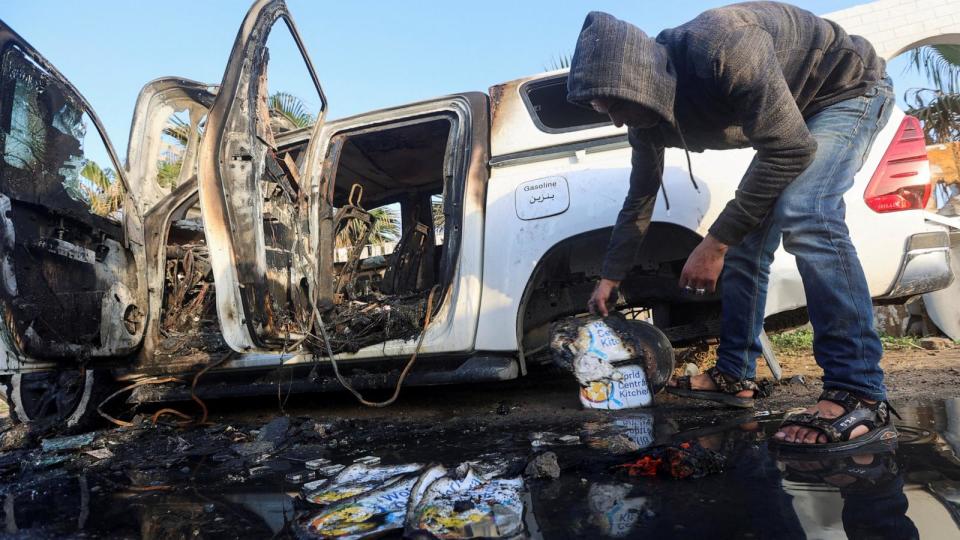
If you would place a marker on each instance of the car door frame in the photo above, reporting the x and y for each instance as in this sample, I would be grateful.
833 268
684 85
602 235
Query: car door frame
158 99
453 329
220 226
452 334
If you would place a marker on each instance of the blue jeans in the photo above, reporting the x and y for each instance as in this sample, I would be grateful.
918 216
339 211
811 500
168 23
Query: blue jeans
809 217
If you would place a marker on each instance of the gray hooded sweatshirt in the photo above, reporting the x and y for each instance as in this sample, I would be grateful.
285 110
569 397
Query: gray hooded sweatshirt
745 75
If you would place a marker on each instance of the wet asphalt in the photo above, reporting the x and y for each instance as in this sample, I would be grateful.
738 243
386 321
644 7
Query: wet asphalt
235 478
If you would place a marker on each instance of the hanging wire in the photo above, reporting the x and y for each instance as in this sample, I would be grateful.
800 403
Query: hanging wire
403 374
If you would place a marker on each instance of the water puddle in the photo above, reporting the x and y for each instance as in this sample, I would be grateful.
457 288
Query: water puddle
912 492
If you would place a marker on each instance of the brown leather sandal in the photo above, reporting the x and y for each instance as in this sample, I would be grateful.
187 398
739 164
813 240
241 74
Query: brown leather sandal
726 392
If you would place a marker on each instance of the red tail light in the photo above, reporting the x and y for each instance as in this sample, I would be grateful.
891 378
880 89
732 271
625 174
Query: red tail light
902 180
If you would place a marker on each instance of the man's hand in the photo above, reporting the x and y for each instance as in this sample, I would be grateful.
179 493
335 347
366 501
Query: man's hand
601 293
704 265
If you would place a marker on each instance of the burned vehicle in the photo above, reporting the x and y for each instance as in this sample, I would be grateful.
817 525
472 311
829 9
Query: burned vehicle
234 243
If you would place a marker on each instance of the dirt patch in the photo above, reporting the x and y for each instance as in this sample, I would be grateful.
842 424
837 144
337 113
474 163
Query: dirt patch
910 375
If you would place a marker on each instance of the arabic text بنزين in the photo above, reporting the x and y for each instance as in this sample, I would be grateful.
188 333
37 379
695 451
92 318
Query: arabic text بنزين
540 198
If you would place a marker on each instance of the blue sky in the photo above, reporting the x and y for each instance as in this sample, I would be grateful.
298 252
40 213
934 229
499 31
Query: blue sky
368 55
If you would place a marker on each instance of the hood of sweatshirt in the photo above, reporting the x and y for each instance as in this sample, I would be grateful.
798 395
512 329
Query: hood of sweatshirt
615 59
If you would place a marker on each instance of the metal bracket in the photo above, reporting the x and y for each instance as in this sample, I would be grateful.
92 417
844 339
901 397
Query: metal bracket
769 356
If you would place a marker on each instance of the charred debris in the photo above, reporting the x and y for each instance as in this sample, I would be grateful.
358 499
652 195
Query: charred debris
385 261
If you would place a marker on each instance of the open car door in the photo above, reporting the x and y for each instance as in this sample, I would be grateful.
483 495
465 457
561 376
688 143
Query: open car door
260 214
71 285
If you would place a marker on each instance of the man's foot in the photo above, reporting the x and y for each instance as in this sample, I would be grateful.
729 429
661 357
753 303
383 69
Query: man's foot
714 441
838 479
839 422
715 386
851 473
807 435
704 382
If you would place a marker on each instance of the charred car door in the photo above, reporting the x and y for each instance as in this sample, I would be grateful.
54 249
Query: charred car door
71 254
258 220
168 123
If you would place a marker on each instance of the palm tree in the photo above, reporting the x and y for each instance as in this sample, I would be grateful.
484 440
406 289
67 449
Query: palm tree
940 64
292 108
939 112
384 228
561 61
937 107
168 172
179 129
168 167
385 225
439 219
102 190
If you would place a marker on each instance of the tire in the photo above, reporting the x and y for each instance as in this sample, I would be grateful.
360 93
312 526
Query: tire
655 349
64 398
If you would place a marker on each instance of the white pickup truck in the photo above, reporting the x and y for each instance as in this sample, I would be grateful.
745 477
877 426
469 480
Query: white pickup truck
211 250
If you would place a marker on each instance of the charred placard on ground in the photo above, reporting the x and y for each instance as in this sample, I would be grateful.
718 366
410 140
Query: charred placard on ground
619 363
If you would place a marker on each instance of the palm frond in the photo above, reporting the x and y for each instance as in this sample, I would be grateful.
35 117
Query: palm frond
938 111
385 225
101 178
940 64
439 219
102 192
168 172
384 228
561 61
177 129
292 108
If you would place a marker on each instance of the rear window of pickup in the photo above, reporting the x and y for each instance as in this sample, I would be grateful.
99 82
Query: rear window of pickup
546 101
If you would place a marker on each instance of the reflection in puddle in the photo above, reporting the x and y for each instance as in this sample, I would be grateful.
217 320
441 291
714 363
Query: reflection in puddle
861 494
612 512
910 493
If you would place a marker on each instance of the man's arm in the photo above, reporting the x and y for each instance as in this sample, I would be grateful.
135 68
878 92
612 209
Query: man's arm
751 77
633 221
634 218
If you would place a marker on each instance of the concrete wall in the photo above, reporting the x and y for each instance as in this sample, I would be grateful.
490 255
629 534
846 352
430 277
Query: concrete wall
896 26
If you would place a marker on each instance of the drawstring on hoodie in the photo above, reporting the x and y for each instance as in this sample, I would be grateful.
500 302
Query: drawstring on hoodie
663 189
689 163
663 186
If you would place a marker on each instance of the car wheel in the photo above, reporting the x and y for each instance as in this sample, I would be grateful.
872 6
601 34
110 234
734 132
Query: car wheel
68 398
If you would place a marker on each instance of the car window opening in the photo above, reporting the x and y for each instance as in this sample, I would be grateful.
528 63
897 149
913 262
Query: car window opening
176 155
388 258
546 101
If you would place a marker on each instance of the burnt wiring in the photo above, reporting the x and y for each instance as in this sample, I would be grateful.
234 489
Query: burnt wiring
374 318
358 322
403 374
142 382
188 320
188 420
187 299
